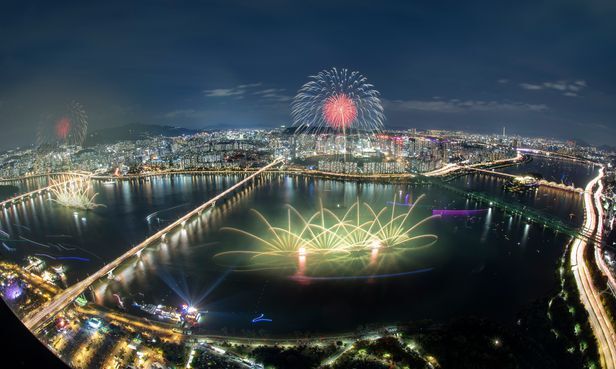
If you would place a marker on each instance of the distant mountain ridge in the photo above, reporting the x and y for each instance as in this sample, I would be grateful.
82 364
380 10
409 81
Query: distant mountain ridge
582 143
134 131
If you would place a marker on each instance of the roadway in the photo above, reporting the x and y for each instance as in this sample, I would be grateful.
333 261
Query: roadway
452 168
589 294
541 182
51 174
551 154
60 301
599 237
492 172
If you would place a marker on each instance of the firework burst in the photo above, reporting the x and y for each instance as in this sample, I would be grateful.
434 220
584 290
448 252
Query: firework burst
326 237
337 100
74 192
67 126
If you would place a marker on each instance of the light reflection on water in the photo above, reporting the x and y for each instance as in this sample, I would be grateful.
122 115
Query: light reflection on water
484 264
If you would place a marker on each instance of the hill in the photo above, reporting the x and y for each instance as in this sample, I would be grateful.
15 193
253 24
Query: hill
134 131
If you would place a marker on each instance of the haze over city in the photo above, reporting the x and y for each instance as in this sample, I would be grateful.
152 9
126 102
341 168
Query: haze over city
539 68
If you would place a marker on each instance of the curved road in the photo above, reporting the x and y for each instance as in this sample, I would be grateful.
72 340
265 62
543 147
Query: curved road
598 318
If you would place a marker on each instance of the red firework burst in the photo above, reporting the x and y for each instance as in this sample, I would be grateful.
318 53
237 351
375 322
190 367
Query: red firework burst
63 126
339 111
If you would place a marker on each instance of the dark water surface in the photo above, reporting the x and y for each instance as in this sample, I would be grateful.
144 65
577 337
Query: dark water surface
556 170
489 264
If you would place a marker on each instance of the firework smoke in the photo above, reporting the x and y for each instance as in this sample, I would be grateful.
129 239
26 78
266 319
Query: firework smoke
67 126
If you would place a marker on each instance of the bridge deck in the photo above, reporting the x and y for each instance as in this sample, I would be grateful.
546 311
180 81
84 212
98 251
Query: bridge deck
38 191
60 301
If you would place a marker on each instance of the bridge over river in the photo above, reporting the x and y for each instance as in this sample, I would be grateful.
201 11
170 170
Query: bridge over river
514 208
71 177
59 302
63 299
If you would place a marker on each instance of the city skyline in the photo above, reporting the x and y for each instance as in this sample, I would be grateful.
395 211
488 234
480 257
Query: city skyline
240 184
435 208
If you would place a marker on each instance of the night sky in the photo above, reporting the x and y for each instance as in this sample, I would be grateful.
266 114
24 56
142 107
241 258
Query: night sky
539 68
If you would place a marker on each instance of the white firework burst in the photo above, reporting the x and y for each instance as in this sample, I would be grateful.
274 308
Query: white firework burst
337 100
